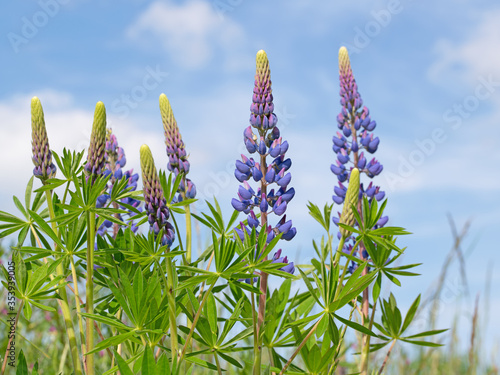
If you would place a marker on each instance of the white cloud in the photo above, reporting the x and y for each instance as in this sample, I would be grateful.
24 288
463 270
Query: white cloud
478 55
67 126
190 33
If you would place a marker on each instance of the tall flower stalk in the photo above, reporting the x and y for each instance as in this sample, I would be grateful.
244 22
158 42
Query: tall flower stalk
178 163
353 139
45 169
265 142
93 168
115 161
158 214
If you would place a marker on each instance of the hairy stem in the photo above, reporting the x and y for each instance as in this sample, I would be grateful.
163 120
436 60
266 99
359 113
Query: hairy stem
77 366
313 329
89 306
386 358
4 365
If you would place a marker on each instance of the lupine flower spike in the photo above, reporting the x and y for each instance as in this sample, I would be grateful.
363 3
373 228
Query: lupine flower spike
96 154
114 163
176 150
353 140
42 156
155 202
265 142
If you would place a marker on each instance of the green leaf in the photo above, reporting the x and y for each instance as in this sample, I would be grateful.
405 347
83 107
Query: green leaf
410 314
310 287
148 362
356 326
427 333
111 341
122 365
422 343
22 366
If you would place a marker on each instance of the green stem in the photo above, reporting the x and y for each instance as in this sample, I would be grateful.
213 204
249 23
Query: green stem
77 366
255 337
77 300
89 305
195 320
172 312
188 234
4 365
313 329
366 348
219 370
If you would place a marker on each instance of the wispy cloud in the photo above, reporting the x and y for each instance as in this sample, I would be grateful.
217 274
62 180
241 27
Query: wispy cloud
477 55
189 33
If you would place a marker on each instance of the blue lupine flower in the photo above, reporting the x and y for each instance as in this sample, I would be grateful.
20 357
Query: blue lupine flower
266 141
114 162
354 137
156 205
176 151
42 156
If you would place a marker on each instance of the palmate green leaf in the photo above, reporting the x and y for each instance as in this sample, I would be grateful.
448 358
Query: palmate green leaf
323 219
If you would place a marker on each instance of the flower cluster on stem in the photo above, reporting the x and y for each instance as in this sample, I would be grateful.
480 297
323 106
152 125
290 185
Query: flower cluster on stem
96 153
353 144
176 150
273 193
114 163
155 203
42 156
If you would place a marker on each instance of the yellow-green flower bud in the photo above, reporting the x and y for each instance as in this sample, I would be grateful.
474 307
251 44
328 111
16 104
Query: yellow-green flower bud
42 156
351 199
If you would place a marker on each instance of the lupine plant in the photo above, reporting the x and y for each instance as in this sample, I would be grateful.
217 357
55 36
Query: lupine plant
151 306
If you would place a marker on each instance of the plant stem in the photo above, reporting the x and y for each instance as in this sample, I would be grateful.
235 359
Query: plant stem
89 305
254 322
77 366
263 276
4 365
313 329
77 300
366 347
188 234
172 312
386 357
219 370
195 320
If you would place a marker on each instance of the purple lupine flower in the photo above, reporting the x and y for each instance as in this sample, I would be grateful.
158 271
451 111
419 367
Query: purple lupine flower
262 138
114 162
352 142
94 167
42 156
176 150
155 203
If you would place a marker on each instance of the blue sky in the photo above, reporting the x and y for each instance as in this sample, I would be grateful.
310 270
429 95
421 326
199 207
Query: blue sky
428 71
